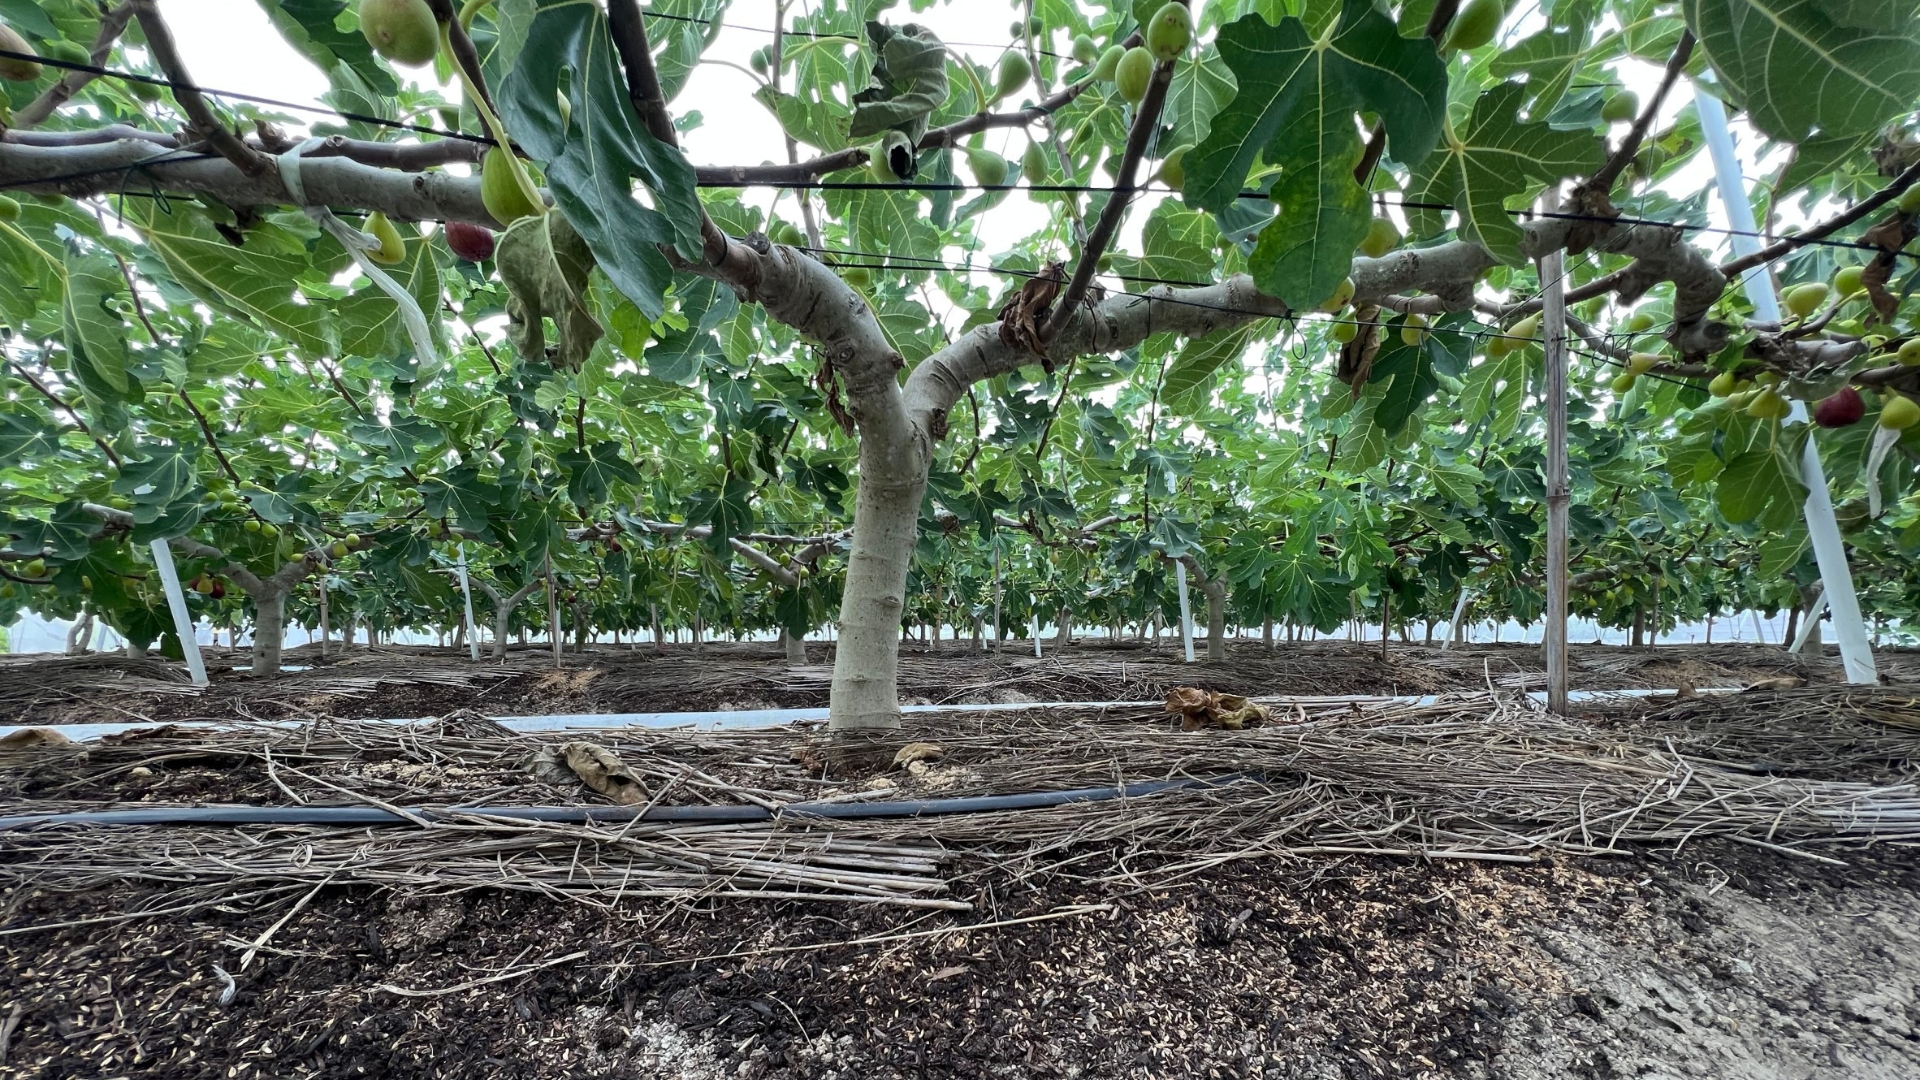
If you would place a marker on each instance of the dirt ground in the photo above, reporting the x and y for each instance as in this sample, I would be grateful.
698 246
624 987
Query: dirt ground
1714 960
406 682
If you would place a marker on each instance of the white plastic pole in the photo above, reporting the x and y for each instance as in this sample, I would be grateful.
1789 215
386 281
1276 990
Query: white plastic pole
1856 653
1811 622
473 639
1034 624
182 621
1186 610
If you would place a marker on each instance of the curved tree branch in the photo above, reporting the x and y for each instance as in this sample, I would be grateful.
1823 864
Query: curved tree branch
112 25
199 113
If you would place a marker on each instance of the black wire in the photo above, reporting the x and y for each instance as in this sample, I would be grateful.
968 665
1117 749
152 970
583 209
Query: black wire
850 185
829 34
155 80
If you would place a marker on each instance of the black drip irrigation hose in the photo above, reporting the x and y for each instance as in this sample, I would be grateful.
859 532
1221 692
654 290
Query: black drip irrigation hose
582 815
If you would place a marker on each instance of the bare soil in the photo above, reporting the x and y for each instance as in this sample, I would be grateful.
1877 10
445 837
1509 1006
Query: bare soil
1714 960
410 682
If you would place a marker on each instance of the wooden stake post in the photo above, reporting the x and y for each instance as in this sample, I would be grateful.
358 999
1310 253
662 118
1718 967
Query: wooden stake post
1553 325
182 620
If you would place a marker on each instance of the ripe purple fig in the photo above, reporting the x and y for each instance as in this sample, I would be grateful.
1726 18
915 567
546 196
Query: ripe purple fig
473 243
1840 409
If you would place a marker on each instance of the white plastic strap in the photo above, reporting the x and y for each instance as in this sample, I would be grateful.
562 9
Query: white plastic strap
358 244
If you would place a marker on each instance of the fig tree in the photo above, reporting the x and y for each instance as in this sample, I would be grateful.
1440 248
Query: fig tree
403 31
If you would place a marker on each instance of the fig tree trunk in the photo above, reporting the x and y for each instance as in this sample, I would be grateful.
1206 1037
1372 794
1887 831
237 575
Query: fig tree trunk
796 648
269 628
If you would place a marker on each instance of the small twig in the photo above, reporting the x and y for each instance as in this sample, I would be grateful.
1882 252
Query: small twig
112 25
160 43
1145 122
1602 181
65 408
473 983
1820 232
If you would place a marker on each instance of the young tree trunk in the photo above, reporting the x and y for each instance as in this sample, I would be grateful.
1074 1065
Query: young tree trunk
1063 631
79 633
659 643
1793 624
137 650
699 633
269 628
1266 632
978 629
796 648
1216 591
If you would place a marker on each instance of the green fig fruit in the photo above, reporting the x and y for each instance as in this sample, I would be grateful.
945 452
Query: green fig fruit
16 70
1169 31
250 525
1033 164
1382 236
1721 385
1344 331
1642 362
1621 107
1527 329
1640 322
1340 296
1013 75
1134 74
36 568
499 191
392 249
1804 300
1909 203
403 31
1848 280
1476 24
1414 331
1109 63
1624 382
1173 171
758 61
9 209
989 169
1899 413
1909 353
1083 48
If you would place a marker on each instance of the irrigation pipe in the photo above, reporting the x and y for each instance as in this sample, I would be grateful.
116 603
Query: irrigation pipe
582 815
754 719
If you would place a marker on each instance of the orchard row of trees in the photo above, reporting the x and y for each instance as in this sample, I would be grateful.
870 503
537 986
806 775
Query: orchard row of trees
1277 320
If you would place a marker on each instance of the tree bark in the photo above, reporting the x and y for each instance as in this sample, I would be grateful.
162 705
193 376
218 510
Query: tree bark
796 648
137 650
269 630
